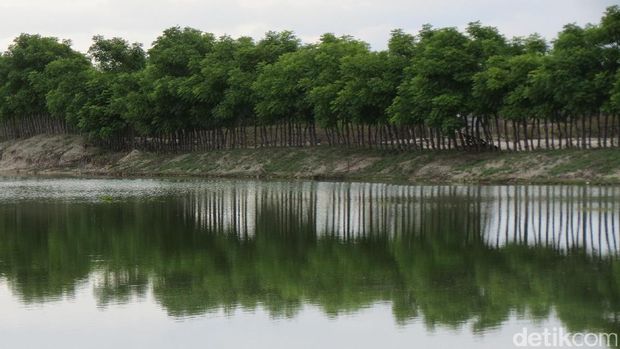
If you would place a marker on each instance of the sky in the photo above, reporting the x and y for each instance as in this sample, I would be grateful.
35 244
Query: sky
369 20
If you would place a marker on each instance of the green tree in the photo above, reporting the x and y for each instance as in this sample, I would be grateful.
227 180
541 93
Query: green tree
502 89
91 98
116 55
168 81
280 90
23 85
228 72
370 81
572 68
608 39
437 85
302 86
66 86
326 81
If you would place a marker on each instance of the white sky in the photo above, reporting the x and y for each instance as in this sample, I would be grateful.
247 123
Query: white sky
368 20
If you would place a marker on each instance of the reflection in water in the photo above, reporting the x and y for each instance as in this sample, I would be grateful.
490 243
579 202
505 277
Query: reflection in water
562 218
443 254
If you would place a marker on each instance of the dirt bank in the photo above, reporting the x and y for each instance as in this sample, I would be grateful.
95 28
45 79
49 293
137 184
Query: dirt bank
72 155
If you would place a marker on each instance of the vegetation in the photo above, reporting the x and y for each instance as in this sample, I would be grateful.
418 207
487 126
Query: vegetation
447 258
71 155
439 89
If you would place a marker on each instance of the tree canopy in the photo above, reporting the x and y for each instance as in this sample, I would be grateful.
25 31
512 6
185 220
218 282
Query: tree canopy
439 80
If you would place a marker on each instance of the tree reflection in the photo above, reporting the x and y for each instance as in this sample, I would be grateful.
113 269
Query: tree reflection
443 254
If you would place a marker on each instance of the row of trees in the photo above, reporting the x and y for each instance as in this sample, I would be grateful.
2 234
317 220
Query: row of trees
441 88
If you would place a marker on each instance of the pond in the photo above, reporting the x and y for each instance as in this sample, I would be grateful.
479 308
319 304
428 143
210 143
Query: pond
90 263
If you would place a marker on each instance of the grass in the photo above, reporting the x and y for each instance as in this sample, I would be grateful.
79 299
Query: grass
598 160
364 164
548 166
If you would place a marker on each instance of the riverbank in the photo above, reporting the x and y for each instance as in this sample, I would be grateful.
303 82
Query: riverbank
72 156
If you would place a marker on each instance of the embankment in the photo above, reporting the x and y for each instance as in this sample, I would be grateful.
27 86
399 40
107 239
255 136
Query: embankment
72 155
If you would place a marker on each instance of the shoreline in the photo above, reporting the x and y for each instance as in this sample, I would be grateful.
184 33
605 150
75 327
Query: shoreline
72 156
60 174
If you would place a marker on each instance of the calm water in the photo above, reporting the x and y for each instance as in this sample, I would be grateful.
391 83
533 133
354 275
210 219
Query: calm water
231 264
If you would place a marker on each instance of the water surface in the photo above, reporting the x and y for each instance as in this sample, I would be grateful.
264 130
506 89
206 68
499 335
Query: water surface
193 264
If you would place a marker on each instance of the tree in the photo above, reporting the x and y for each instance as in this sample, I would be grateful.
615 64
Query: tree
369 85
23 86
281 93
501 88
325 80
229 71
92 99
572 67
486 42
608 40
441 88
302 86
168 82
437 85
520 103
275 44
116 55
66 85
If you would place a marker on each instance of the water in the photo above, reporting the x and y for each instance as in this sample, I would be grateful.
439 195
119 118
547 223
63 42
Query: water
230 264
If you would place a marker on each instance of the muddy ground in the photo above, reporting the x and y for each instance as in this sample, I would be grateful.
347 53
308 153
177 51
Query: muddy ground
73 156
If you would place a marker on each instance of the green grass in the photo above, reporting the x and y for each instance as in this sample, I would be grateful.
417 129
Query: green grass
493 171
553 166
599 160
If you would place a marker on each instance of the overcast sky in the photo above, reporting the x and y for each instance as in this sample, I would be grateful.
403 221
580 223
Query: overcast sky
369 20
